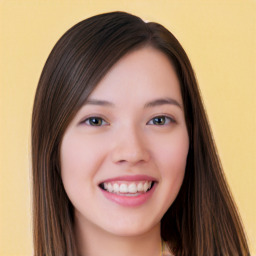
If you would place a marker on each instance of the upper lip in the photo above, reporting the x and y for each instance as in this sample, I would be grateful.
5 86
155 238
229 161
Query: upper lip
130 178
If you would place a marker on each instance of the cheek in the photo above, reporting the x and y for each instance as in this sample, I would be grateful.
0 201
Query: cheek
172 160
72 158
172 153
79 162
79 156
71 169
75 160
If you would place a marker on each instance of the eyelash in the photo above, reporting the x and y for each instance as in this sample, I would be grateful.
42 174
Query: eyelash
89 120
101 122
167 120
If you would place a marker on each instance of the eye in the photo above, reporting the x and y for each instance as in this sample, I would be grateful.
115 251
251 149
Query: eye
95 121
161 120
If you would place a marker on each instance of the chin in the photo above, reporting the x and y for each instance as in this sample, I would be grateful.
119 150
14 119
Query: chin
133 229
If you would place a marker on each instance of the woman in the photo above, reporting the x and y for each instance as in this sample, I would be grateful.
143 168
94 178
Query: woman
123 158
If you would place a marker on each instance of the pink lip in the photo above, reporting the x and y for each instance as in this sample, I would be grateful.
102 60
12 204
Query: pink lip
131 178
129 201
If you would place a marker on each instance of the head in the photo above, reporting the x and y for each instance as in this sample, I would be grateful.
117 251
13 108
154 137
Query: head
77 64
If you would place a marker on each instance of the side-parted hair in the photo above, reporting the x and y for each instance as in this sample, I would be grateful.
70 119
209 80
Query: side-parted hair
203 219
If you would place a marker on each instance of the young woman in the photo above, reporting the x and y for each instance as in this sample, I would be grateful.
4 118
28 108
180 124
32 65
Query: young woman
123 158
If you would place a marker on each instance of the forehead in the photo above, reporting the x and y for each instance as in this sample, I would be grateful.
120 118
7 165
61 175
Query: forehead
143 72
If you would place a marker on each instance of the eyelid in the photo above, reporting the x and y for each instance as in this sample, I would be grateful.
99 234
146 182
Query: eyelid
171 119
87 119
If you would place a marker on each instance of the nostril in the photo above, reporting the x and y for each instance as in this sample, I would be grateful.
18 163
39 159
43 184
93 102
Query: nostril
121 161
123 155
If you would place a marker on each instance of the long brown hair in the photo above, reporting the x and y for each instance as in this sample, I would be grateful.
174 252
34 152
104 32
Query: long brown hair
203 219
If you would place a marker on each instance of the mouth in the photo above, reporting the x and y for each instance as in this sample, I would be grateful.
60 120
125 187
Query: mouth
127 188
129 191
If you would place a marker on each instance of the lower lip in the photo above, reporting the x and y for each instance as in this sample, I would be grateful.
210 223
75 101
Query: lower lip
130 201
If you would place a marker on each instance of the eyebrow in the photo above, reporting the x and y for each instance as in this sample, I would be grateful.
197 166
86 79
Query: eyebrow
99 102
163 101
154 103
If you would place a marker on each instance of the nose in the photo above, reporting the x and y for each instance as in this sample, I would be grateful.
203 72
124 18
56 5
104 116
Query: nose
130 147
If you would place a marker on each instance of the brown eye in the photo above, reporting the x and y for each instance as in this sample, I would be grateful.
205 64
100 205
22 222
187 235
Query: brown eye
160 120
95 121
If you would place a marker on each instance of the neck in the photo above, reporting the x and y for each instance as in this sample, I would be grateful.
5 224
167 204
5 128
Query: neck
93 241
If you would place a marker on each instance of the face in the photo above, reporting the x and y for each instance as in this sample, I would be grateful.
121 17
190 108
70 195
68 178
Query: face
123 156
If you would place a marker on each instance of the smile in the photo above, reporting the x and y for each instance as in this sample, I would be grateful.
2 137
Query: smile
129 191
127 188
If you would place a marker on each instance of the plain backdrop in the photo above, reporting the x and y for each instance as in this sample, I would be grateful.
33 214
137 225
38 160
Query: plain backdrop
220 39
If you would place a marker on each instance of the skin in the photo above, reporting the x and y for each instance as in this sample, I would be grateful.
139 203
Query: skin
129 140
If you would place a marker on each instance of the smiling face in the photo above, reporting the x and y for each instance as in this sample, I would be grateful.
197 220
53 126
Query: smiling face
123 156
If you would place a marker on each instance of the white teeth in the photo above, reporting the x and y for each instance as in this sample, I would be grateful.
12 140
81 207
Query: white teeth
110 188
116 188
123 188
131 188
145 186
140 187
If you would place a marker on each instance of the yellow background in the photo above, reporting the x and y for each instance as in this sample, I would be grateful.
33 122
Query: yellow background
220 39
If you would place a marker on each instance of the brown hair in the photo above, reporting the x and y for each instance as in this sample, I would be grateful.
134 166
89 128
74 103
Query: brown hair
203 219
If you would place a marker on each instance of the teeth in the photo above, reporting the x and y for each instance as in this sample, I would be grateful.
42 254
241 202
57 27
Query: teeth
140 187
146 186
123 188
131 188
110 188
116 188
